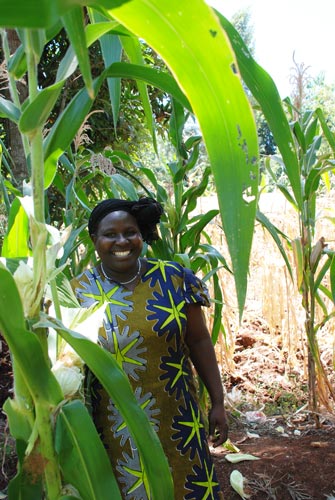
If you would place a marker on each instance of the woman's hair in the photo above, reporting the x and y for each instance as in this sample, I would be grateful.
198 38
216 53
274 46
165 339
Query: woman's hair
146 211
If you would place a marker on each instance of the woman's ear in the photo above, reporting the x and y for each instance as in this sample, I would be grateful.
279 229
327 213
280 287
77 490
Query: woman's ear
93 238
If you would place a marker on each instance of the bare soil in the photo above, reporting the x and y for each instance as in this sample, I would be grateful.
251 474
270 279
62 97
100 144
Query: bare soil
290 466
268 419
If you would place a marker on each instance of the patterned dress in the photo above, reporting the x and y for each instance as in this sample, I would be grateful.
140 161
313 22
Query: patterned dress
145 329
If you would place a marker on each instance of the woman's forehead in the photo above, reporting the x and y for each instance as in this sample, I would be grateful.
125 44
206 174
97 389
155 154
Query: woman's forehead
118 217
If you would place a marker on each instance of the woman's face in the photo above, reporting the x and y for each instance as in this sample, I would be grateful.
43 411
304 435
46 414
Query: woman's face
118 241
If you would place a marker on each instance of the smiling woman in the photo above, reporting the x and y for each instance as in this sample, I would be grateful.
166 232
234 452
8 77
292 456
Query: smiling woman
154 327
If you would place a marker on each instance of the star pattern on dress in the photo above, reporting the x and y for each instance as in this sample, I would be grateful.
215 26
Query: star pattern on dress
168 311
191 431
204 485
134 477
176 372
147 402
125 348
162 267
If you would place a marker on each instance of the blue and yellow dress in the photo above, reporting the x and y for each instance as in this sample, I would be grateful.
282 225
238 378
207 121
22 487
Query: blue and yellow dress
144 329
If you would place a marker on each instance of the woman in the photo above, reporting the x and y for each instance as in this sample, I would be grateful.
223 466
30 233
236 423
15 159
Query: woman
154 326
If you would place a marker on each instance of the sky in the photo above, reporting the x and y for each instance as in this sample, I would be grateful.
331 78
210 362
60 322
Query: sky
284 27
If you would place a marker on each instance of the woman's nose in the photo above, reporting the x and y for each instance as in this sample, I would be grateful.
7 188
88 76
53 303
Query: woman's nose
121 238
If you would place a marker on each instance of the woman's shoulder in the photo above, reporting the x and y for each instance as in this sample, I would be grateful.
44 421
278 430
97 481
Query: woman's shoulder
85 277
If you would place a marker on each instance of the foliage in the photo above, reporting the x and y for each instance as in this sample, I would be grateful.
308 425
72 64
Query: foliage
40 401
299 138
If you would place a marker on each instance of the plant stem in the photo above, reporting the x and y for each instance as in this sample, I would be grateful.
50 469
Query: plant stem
51 466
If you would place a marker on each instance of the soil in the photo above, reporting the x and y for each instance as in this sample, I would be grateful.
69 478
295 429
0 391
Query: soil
296 459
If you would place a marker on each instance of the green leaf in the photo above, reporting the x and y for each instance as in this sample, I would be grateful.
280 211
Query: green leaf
126 185
73 22
24 345
116 383
152 76
275 233
265 92
17 419
30 13
83 458
64 130
16 240
37 112
332 278
326 130
8 110
218 100
191 237
111 51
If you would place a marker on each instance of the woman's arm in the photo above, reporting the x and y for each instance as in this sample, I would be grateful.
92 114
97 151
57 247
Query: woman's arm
203 357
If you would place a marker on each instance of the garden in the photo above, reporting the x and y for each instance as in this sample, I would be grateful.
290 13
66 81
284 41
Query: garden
107 100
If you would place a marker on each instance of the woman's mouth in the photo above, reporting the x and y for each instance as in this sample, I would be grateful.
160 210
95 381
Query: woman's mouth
122 254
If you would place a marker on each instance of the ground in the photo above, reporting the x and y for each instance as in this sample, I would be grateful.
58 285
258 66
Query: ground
296 459
290 467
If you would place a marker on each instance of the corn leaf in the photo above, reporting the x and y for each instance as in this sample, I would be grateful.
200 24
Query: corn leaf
73 21
83 458
24 345
9 110
214 89
263 88
275 232
30 13
116 383
15 243
111 50
37 112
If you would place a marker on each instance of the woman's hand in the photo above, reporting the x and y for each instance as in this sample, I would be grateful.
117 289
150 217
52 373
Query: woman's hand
218 425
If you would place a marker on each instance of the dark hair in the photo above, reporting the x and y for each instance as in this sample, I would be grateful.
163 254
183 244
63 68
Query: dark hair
146 211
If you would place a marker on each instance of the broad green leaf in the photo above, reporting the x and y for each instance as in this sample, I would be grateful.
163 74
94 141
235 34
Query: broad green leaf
265 92
16 240
73 21
9 110
190 238
152 76
116 383
17 419
126 185
17 64
24 345
37 112
30 13
83 458
69 62
111 51
215 91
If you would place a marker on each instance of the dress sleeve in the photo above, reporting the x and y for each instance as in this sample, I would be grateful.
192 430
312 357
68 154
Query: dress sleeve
195 289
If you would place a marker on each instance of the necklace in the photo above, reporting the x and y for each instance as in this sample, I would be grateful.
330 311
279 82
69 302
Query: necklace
123 282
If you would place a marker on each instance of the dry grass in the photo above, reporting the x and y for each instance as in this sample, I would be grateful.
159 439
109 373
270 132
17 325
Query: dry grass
267 353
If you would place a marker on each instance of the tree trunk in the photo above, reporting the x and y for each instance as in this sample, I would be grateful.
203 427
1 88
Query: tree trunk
13 139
